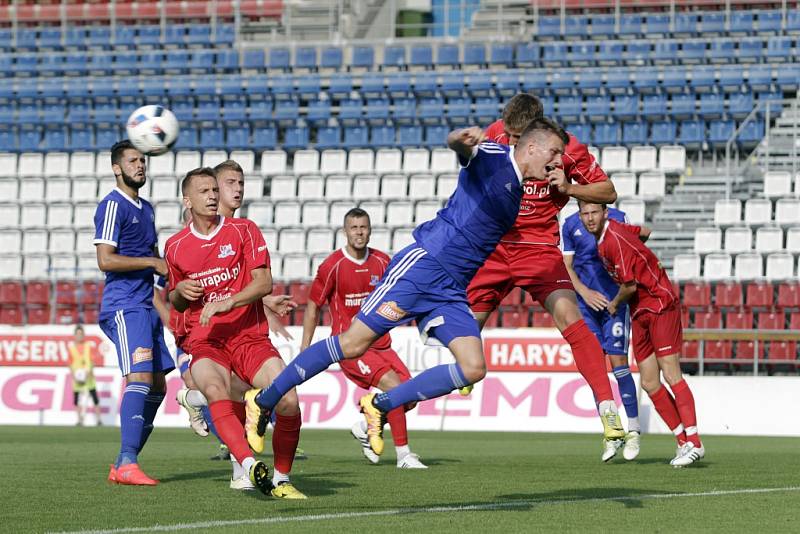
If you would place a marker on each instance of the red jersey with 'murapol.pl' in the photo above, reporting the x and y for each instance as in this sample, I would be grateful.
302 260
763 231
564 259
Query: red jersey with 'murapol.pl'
627 260
345 282
221 262
537 222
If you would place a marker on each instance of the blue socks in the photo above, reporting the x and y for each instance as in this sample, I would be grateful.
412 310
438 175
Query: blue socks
429 384
627 389
308 363
209 422
151 404
132 421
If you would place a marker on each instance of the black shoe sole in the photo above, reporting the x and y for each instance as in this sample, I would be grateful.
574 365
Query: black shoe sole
262 479
263 421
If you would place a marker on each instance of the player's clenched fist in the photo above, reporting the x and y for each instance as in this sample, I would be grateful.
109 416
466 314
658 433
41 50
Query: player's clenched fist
214 308
556 177
190 290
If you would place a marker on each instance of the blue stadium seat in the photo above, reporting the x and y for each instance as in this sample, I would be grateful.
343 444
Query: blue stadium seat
421 56
602 26
576 26
28 113
30 138
693 52
351 109
453 84
253 59
507 83
377 111
654 106
527 54
682 105
740 104
282 87
787 78
674 79
265 137
425 84
148 35
606 134
634 53
53 112
332 58
663 133
458 111
741 22
597 107
287 112
382 136
6 65
474 54
356 136
234 110
479 84
625 106
329 137
618 81
656 24
769 21
398 85
502 54
431 110
692 134
751 50
759 77
260 110
226 60
712 105
551 26
779 48
569 108
686 23
634 133
703 79
75 37
731 79
105 137
534 82
230 85
436 135
751 133
309 86
257 87
188 140
409 135
591 81
80 138
581 130
404 110
26 39
394 56
319 111
201 61
581 53
76 65
225 35
487 109
207 110
280 59
665 52
53 88
176 61
447 55
98 37
631 25
79 112
174 35
722 51
340 86
55 139
555 54
50 38
712 23
296 137
198 34
373 85
720 131
306 58
363 57
25 64
562 81
548 104
7 111
51 65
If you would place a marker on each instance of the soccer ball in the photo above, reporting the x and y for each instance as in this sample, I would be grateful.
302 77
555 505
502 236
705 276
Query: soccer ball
80 375
153 130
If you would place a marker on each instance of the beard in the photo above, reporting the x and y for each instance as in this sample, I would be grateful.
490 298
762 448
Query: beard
131 182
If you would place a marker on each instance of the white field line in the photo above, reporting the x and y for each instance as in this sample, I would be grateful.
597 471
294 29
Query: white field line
426 510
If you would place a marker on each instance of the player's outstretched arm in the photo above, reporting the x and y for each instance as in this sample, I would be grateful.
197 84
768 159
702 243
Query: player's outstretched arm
463 141
310 322
626 291
109 261
595 193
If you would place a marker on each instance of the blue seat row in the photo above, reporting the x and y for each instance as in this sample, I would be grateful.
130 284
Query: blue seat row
124 36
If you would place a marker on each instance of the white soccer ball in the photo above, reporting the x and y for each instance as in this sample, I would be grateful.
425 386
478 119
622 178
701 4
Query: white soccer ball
81 375
153 130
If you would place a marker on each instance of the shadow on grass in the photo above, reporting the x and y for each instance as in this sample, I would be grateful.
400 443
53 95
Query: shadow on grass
629 497
195 475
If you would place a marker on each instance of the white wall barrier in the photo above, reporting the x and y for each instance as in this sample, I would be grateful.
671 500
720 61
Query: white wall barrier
524 391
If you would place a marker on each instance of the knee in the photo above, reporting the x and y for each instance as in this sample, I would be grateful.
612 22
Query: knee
673 376
650 385
474 371
215 392
353 346
289 405
143 378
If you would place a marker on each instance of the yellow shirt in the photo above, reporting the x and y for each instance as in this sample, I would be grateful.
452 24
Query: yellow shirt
80 357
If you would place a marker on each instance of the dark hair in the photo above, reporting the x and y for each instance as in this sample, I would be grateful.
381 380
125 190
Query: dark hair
228 165
118 149
582 202
355 213
543 124
521 110
79 327
200 171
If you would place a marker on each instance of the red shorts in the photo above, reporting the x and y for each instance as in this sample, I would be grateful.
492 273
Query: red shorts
538 269
367 370
243 355
659 333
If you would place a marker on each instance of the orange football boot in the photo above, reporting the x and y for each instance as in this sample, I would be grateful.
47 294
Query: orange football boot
130 474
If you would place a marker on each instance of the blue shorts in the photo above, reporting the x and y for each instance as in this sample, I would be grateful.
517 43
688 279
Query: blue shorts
138 335
613 331
415 286
183 360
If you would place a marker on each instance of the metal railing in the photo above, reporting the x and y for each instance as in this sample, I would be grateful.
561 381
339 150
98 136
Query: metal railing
756 336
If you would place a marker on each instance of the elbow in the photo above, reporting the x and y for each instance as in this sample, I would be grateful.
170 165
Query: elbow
611 196
644 235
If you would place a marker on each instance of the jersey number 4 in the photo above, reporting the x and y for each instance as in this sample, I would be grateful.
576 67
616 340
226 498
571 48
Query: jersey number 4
364 368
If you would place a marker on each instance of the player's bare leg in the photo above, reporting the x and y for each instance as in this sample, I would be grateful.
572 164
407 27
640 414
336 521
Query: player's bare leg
693 450
286 434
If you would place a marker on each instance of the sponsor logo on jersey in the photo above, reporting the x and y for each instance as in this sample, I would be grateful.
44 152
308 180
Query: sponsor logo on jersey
391 311
578 232
225 251
135 220
215 276
262 248
374 279
142 354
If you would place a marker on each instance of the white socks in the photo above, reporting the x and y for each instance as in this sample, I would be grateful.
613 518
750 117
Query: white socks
196 398
238 470
278 477
607 405
248 463
633 425
402 451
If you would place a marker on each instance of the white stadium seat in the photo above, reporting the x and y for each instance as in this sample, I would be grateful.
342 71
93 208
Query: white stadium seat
337 211
315 213
399 213
56 164
317 260
305 162
276 264
652 185
105 185
84 238
614 158
625 184
273 162
59 214
717 266
246 160
10 240
287 213
425 210
9 188
8 165
787 212
168 213
163 236
10 211
84 188
672 159
11 265
84 214
62 240
707 240
212 158
33 214
401 238
388 160
333 162
253 187
749 266
445 185
87 266
569 208
421 186
365 186
83 164
793 240
36 266
319 240
57 189
296 267
185 161
360 160
34 241
757 212
416 160
443 160
780 266
376 210
163 165
291 240
270 234
30 164
634 209
643 158
31 189
338 186
381 238
727 212
63 265
595 153
283 187
310 186
738 239
164 188
769 239
394 186
777 184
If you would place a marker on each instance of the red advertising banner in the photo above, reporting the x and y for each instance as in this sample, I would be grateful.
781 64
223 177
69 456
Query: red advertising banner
521 353
39 349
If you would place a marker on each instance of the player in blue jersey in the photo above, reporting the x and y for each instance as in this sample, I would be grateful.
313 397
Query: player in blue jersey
595 290
127 251
427 280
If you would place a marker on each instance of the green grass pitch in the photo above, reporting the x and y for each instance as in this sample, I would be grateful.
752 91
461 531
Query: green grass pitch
53 479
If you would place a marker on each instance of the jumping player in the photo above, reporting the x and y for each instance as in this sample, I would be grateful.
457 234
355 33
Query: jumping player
126 243
595 290
427 280
219 268
528 256
657 333
344 280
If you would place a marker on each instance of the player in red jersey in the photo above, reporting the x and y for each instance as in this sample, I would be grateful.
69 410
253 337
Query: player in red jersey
655 312
529 257
344 280
219 271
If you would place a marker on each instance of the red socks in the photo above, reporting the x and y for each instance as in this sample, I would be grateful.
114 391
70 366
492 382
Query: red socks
665 406
397 423
230 429
590 359
684 400
238 409
284 441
